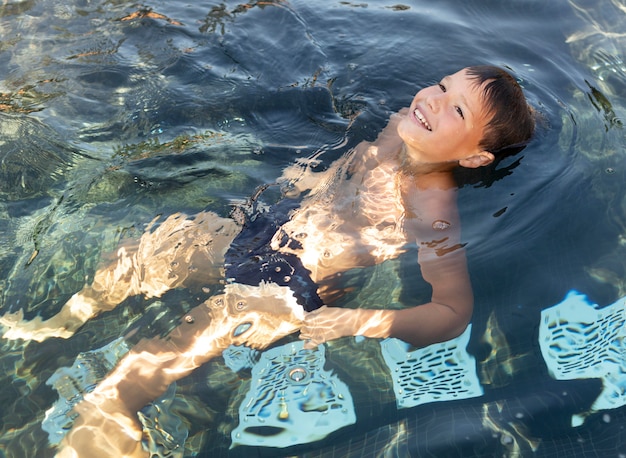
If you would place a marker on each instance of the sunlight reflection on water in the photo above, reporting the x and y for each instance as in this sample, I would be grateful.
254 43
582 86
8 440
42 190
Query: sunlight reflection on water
111 115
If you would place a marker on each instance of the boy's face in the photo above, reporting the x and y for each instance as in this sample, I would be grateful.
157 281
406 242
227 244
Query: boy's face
446 122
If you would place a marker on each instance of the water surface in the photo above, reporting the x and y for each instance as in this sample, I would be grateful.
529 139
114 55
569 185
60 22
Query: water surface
114 112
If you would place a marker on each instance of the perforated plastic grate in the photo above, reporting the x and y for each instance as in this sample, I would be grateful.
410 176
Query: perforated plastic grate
290 389
439 372
579 340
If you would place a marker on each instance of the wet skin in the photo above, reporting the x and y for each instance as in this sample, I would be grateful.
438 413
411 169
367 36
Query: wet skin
398 190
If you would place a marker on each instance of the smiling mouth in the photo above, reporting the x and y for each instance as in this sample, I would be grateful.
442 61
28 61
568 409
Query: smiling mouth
422 120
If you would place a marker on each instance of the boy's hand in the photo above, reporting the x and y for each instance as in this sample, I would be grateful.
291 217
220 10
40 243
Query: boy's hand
324 324
328 323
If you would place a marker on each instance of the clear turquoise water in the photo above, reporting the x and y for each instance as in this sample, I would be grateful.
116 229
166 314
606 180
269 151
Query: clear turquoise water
107 120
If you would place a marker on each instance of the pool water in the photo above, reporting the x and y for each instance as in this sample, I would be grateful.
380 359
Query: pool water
112 113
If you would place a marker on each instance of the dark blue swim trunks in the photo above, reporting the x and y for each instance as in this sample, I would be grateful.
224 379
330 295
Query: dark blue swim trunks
250 258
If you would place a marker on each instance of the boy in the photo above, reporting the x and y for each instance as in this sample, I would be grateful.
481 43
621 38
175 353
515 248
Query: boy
362 211
465 120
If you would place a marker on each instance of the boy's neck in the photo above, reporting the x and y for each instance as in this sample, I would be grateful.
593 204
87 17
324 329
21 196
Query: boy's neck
426 174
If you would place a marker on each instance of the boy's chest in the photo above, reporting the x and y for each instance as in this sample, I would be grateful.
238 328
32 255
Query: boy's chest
357 224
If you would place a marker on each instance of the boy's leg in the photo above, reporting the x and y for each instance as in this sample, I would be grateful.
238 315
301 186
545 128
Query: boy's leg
179 250
251 315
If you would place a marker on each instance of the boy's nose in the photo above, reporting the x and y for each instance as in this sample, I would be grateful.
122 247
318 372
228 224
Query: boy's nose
434 102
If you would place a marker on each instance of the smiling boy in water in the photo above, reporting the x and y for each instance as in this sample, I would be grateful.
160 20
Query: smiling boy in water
365 209
466 120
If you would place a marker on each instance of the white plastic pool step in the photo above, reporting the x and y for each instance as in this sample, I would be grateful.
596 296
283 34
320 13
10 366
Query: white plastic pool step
438 372
579 340
292 400
290 388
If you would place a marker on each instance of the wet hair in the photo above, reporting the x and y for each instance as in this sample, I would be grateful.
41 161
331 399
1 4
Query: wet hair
512 121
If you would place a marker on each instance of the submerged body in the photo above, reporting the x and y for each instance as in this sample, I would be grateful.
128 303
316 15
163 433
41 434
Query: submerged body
247 314
365 209
371 217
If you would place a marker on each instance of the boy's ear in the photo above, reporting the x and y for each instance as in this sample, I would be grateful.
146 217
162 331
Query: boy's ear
477 160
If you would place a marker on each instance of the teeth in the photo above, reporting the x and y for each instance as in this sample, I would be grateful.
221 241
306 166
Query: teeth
421 118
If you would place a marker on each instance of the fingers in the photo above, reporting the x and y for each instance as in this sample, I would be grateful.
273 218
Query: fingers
310 345
311 339
311 322
312 330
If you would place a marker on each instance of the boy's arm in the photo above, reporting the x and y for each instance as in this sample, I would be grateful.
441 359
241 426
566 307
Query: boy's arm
447 314
441 257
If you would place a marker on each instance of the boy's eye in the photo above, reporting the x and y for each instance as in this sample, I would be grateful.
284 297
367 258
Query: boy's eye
460 112
442 87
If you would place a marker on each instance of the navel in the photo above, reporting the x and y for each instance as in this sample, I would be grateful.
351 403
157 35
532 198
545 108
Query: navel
440 225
